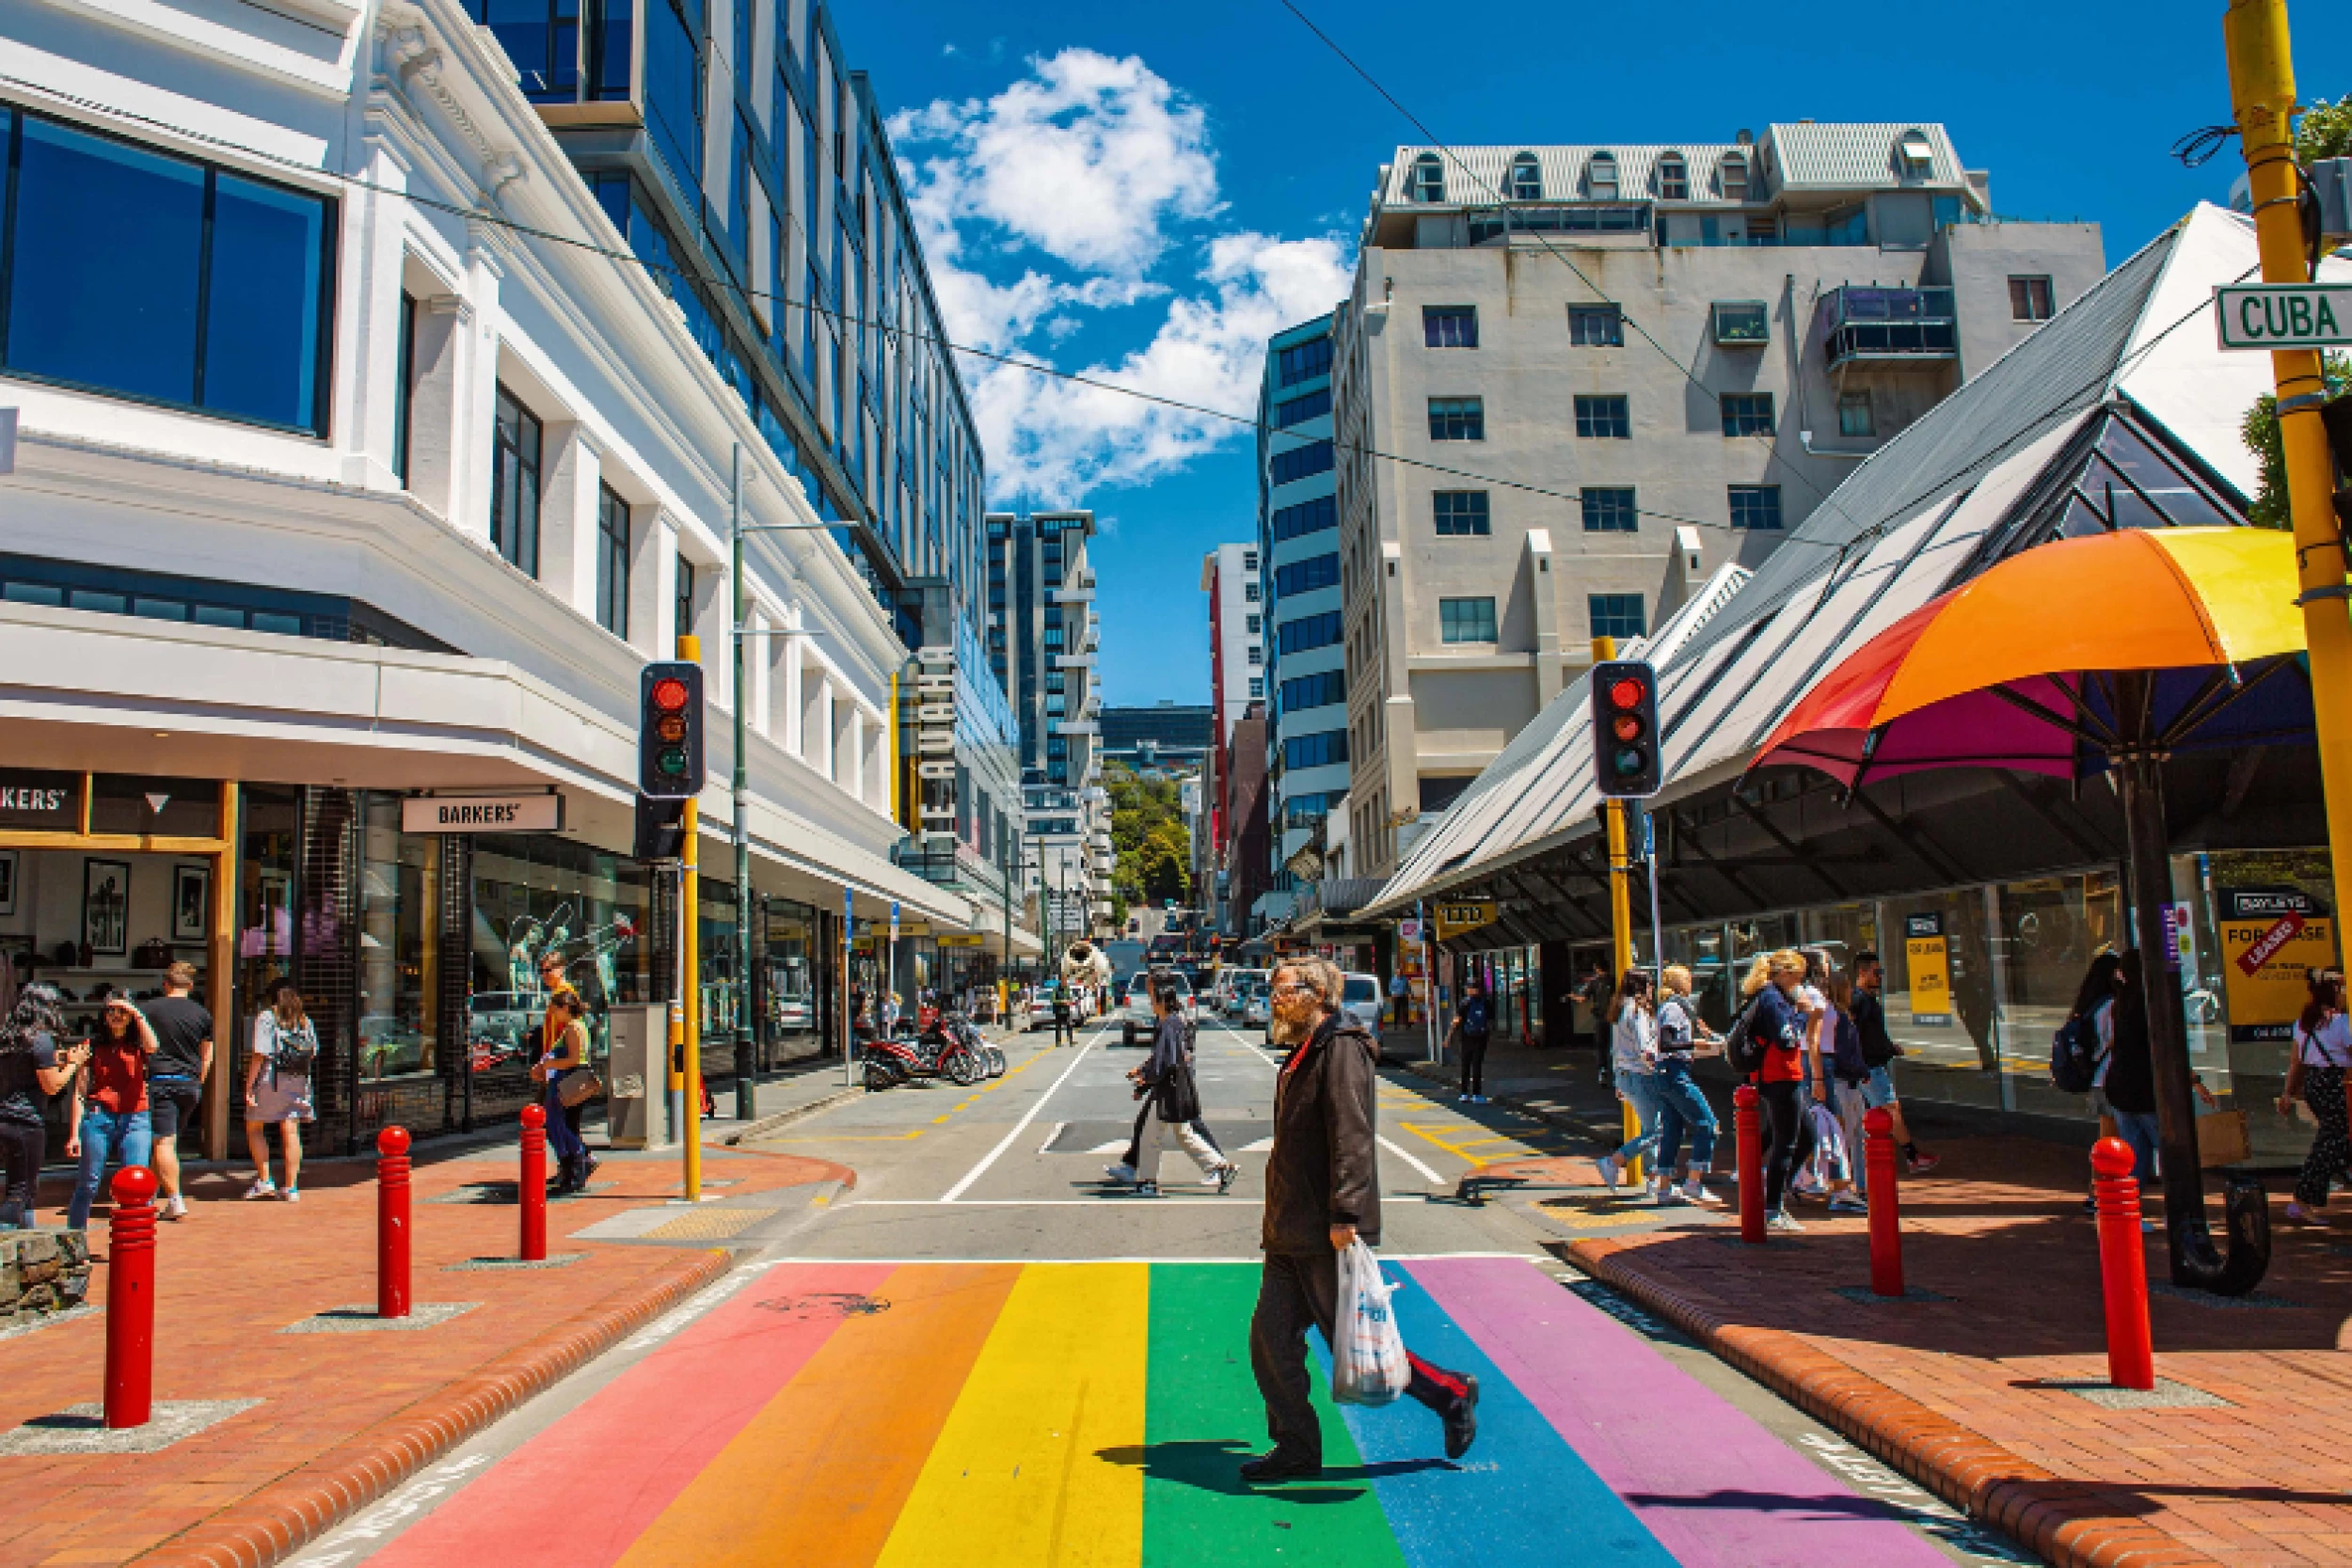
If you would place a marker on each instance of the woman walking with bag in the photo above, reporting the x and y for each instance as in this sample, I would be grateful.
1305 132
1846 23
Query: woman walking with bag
1777 1031
1683 1037
277 1090
2323 1050
1633 1062
566 1062
1167 1078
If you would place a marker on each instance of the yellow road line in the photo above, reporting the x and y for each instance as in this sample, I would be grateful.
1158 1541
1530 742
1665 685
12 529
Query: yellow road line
1017 1476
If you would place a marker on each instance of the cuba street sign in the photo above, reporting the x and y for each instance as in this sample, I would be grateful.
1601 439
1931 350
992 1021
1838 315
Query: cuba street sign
2283 315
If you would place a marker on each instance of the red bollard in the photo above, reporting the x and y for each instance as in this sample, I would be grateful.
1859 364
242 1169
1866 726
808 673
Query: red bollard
131 1300
2122 1267
1751 1146
1886 1226
533 1192
391 1223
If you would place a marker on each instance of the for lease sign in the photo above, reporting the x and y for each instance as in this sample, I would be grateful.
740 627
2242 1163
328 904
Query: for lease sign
2283 315
2270 937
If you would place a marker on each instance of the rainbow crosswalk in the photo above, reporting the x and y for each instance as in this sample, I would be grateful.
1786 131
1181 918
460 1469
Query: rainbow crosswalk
1093 1414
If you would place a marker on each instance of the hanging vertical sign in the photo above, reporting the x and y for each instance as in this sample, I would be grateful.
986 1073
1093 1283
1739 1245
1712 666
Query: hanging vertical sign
1926 957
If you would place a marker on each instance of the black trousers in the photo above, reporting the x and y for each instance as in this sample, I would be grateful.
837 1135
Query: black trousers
1143 1114
1787 1137
1298 1292
1065 1030
21 1145
1474 1063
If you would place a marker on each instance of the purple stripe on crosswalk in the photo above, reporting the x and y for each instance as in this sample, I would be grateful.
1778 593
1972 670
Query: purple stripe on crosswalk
1715 1488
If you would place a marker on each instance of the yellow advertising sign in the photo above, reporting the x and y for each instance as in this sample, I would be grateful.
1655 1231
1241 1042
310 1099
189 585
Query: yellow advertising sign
2269 938
967 939
1465 914
1926 958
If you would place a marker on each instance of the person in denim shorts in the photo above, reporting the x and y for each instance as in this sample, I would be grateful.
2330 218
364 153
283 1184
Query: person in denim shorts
1879 1050
176 1075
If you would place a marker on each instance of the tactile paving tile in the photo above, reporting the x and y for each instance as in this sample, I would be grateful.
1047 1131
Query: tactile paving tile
708 1225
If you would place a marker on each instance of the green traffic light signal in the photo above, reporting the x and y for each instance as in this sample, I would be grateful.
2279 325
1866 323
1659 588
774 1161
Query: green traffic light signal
671 761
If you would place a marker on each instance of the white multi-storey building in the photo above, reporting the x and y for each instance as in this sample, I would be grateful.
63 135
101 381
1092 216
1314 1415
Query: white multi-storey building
369 449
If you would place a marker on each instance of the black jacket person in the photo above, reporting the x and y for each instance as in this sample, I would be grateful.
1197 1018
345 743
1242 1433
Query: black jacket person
1323 1193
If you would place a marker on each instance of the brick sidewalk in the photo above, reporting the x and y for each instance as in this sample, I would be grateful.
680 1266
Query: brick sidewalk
343 1417
1962 1394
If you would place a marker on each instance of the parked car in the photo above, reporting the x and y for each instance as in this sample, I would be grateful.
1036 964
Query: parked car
1040 1010
1136 1017
1360 999
1257 1003
1233 990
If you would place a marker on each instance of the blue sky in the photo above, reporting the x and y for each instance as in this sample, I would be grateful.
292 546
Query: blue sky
1147 190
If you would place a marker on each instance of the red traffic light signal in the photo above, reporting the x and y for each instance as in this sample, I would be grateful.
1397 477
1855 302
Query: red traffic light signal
670 731
1626 761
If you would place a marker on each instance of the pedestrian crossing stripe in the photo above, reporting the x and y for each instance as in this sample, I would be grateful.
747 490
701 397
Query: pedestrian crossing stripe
1093 1416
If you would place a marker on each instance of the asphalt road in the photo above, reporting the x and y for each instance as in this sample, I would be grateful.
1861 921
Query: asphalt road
984 1352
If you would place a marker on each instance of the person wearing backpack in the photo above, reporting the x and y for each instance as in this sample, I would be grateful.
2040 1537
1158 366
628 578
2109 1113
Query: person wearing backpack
1683 1037
1849 1075
1473 1026
1878 1051
2323 1051
277 1076
1773 1037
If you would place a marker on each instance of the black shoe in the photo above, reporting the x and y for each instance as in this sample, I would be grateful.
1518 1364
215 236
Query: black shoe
1461 1420
1274 1465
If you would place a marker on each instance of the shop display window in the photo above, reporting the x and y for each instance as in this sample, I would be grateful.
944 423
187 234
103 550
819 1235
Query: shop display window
536 894
1939 997
2050 929
399 958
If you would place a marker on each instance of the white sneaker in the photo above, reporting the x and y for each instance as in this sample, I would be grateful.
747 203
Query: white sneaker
261 1189
1781 1222
292 1195
1694 1190
1125 1174
1610 1169
1668 1193
175 1208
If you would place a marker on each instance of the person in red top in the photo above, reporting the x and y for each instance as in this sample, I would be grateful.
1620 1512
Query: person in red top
1779 1026
109 1113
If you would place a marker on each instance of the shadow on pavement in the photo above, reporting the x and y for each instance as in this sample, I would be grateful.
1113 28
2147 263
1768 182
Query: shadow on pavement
1214 1464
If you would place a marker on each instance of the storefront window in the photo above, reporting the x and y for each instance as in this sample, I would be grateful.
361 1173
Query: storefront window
1841 931
1939 997
399 952
2247 904
788 986
533 895
2051 928
1702 949
721 995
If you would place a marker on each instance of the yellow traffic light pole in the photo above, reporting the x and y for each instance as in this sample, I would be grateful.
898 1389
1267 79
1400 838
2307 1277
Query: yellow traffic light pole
690 962
1620 905
2262 95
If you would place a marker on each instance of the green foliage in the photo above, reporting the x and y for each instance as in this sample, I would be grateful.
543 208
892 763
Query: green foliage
1149 836
2260 432
2325 131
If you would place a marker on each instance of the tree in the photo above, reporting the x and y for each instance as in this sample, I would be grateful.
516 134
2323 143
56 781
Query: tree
2260 432
2325 131
1150 838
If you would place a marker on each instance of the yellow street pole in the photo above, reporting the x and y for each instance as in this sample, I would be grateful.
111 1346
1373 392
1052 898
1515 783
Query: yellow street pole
690 947
2262 95
1620 909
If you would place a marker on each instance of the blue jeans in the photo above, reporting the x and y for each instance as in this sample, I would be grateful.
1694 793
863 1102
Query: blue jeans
2138 1129
103 1134
1682 1103
561 1135
1640 1090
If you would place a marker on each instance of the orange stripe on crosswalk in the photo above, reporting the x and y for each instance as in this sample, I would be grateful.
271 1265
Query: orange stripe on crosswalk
817 1479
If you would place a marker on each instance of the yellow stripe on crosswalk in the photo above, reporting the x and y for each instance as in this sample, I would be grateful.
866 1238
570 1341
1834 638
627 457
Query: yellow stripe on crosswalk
1036 1464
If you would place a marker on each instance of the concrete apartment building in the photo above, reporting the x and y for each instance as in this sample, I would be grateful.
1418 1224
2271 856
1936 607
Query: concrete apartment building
1643 363
1043 637
1229 576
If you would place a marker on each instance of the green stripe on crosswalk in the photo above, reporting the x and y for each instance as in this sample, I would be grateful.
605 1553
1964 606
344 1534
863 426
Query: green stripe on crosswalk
1203 1417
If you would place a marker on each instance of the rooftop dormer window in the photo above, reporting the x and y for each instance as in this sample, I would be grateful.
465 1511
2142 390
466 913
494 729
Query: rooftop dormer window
1673 178
1427 181
1527 180
1733 174
1914 155
1600 177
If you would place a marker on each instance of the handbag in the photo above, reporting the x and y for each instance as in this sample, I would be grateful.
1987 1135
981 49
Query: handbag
579 1087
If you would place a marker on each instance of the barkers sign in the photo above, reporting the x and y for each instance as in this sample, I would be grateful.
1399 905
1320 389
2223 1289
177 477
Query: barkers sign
482 814
41 801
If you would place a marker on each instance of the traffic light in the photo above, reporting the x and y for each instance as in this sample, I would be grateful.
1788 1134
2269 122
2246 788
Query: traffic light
670 731
661 829
1625 729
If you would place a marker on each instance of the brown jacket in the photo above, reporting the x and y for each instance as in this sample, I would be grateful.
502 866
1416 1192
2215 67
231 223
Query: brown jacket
1325 1169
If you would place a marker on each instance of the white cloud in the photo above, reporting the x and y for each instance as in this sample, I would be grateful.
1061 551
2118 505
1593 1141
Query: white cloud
1085 159
1077 189
1049 439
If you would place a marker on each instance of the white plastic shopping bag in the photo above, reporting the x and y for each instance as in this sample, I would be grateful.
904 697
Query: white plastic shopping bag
1829 1162
1368 1364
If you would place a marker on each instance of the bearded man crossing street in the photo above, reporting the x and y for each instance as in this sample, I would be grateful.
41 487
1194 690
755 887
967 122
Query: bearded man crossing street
1322 1194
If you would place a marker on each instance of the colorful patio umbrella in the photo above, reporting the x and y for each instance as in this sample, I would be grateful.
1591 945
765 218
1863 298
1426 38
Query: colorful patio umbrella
2113 651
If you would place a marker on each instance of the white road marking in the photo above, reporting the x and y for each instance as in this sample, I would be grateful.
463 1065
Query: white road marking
1051 1136
1019 1127
1410 1159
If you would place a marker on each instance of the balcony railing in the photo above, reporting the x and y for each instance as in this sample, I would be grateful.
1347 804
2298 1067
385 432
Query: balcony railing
1888 325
